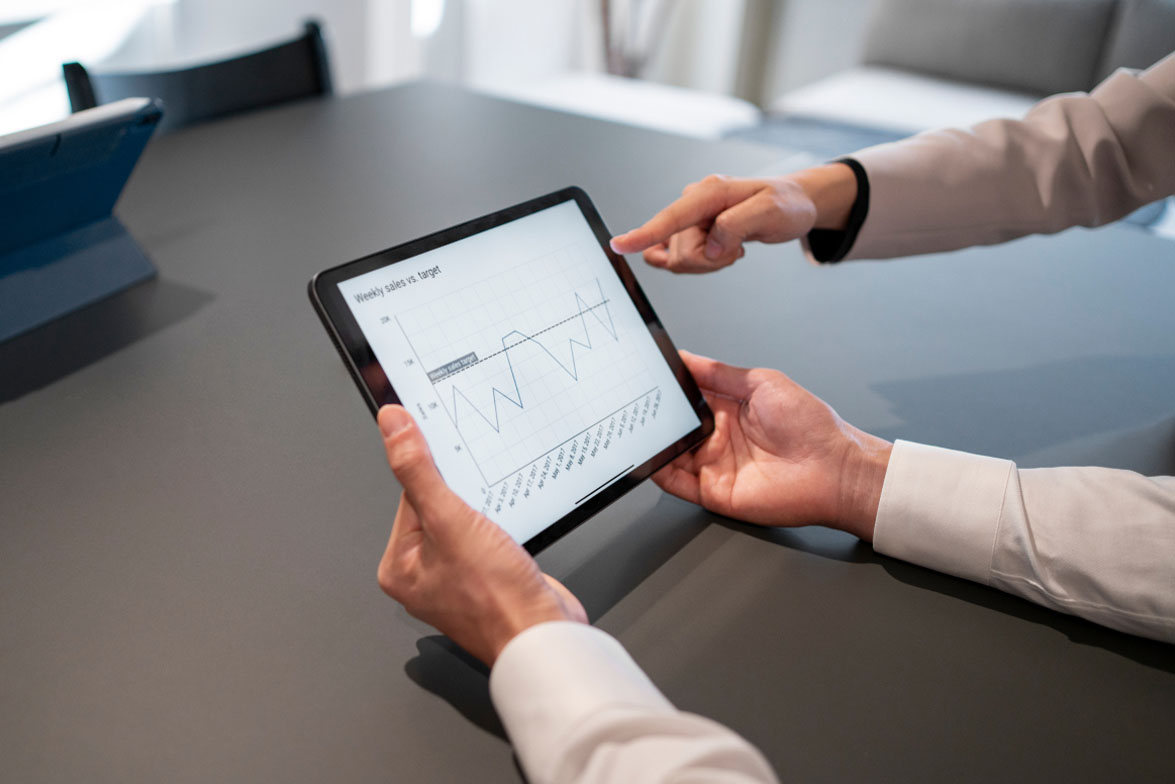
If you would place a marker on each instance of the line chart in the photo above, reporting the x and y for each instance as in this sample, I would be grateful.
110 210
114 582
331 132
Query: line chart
523 359
573 371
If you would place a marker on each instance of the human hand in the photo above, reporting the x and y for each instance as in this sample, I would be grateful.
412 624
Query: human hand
456 569
778 455
705 229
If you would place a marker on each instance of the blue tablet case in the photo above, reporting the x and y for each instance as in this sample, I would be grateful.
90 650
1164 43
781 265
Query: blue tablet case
60 245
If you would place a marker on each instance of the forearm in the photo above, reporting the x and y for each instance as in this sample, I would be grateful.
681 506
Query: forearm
1094 542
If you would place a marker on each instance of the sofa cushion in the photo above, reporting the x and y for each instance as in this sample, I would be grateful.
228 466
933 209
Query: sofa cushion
1036 46
899 101
1143 32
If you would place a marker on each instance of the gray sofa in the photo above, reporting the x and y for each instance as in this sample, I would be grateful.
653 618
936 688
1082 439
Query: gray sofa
935 63
1032 46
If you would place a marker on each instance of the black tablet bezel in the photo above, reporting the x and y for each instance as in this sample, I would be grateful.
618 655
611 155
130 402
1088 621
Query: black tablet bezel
373 383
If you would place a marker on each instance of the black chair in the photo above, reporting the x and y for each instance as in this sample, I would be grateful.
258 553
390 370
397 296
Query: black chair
285 72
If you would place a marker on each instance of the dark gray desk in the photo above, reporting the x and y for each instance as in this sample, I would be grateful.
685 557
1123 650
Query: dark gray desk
193 498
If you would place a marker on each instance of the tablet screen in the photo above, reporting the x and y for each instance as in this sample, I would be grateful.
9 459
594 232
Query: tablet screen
525 361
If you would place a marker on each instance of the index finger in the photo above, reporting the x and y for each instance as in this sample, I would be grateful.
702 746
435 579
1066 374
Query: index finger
697 205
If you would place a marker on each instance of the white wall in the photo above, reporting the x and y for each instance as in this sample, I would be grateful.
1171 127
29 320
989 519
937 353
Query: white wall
527 39
701 46
812 39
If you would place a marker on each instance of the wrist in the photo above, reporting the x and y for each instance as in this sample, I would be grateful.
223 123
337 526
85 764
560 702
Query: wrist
862 478
832 189
519 620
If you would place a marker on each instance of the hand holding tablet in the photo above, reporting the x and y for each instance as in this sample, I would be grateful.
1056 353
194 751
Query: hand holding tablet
529 357
454 568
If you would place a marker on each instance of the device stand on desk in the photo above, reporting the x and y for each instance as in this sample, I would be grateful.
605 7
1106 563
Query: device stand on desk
61 246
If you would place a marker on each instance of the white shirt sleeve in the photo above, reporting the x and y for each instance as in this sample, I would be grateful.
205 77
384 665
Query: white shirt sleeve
1093 542
578 709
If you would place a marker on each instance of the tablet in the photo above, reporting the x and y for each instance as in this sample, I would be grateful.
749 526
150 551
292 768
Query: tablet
530 358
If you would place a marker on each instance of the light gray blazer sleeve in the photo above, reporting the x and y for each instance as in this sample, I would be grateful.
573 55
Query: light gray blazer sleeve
1074 160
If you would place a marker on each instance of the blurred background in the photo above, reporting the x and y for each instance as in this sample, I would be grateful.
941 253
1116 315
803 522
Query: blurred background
817 78
715 46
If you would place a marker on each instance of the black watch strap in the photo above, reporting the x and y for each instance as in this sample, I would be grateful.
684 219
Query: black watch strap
831 245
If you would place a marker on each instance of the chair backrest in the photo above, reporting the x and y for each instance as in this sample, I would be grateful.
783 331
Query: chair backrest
1142 34
296 69
1032 46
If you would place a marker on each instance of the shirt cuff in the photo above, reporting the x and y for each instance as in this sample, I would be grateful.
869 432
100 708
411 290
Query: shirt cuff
553 676
831 245
941 509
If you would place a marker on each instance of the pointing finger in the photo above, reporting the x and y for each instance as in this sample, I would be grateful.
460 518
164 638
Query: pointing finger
699 205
